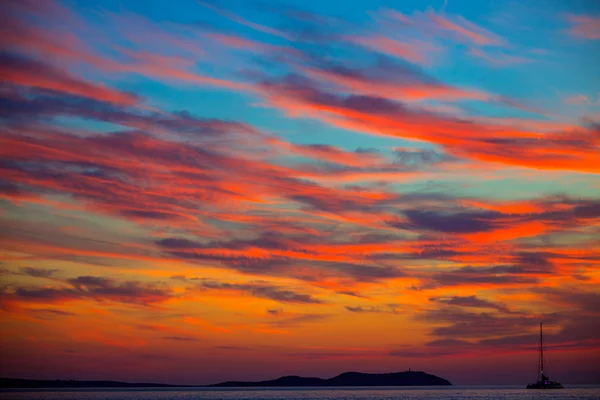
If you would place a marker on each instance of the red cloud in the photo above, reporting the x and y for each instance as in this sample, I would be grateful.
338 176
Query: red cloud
574 150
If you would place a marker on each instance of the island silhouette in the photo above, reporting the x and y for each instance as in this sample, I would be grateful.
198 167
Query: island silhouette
406 378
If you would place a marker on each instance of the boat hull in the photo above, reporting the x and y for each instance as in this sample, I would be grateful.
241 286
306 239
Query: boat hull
545 385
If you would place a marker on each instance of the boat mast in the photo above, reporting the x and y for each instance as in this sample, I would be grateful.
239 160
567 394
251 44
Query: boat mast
541 353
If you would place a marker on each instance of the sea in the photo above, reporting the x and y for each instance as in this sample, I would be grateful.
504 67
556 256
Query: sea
371 393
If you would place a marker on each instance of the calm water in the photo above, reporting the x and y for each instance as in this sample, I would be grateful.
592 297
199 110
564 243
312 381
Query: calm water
416 393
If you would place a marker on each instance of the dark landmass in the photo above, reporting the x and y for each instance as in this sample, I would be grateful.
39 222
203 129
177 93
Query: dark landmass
6 383
407 378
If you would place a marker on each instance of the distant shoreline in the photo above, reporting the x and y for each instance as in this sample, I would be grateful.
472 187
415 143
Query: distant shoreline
347 379
13 383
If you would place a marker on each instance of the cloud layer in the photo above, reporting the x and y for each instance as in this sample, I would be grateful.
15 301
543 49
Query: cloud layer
248 185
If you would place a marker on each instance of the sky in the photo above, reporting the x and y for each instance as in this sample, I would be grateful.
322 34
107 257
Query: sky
199 191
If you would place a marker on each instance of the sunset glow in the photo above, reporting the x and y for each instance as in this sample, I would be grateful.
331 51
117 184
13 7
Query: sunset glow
199 191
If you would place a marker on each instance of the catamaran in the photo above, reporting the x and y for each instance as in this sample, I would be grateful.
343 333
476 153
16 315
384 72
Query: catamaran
543 381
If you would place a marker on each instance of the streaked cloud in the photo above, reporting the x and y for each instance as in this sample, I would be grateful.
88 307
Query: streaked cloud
251 183
584 26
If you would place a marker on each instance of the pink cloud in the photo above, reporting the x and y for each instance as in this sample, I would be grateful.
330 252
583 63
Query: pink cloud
242 21
416 52
26 72
577 99
584 26
405 86
466 30
497 59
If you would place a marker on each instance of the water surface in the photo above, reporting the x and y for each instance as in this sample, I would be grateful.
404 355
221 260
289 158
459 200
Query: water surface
409 393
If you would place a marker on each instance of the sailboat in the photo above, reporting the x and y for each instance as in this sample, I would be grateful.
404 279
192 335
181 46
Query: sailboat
543 381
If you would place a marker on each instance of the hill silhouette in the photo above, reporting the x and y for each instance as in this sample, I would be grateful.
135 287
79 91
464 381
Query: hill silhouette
406 378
